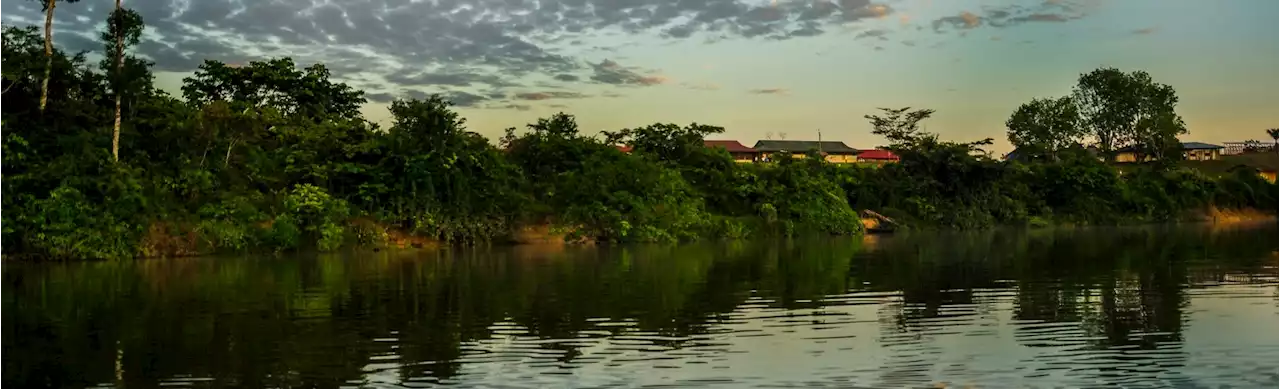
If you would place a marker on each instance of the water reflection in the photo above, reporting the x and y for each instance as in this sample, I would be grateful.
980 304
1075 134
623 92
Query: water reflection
1158 306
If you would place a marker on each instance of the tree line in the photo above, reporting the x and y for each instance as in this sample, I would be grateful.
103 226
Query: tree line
271 156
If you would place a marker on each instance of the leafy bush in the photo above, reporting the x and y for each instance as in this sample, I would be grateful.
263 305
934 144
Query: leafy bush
310 211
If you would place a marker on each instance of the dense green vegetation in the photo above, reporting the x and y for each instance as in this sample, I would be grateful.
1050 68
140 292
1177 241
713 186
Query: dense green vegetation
273 156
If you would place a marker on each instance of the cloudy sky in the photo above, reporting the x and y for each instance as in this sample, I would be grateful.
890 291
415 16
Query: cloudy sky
757 67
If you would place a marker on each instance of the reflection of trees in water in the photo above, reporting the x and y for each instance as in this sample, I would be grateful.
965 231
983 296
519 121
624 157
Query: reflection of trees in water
321 321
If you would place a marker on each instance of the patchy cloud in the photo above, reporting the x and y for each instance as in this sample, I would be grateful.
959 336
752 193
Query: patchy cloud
1145 31
463 46
701 86
610 72
874 33
511 106
965 20
461 99
769 91
1051 11
548 95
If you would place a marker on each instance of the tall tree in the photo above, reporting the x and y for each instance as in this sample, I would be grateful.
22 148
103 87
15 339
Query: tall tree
49 49
1129 109
124 28
1043 127
899 125
1156 126
1108 103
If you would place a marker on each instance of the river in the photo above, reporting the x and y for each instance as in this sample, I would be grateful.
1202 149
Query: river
1166 306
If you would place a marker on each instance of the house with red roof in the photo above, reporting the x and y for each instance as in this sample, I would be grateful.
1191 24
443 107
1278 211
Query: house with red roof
877 156
740 153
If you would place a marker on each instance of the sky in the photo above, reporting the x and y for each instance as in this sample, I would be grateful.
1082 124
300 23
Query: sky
759 68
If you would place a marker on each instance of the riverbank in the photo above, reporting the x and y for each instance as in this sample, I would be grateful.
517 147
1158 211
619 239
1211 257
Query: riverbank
172 240
227 170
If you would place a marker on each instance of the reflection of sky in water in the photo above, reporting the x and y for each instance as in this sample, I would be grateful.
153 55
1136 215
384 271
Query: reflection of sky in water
853 341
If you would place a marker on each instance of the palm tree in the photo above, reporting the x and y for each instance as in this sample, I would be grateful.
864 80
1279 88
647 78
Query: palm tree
49 5
1274 132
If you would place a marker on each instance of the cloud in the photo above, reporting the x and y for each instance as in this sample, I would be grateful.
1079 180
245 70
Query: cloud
517 107
702 86
1146 31
1051 11
769 91
548 95
442 45
965 20
461 99
874 33
610 72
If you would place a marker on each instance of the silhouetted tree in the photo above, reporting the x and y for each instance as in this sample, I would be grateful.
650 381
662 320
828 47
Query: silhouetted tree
899 125
1043 127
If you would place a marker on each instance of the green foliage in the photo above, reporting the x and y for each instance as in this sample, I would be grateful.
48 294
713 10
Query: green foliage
68 225
1043 127
1130 110
899 125
270 156
315 214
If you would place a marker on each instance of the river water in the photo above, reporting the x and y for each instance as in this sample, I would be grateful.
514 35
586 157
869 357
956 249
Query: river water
1170 306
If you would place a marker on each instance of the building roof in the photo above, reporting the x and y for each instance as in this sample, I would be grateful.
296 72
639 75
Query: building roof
731 146
878 154
623 148
801 146
1198 146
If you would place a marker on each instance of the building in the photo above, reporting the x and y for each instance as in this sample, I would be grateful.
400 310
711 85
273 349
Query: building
877 156
1196 151
832 151
740 153
1191 151
1249 146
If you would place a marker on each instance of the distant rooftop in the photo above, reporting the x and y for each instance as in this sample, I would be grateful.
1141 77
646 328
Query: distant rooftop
731 146
802 146
877 155
1198 146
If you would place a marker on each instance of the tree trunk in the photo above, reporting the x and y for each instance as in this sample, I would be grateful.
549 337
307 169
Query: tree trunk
48 53
115 129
